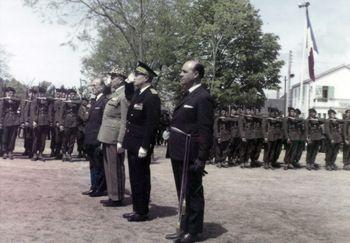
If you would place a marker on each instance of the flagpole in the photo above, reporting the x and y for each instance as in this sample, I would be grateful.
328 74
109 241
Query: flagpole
303 61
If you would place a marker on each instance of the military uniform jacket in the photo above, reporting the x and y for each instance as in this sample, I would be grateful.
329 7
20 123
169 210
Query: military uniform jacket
333 130
112 129
57 110
70 113
313 129
233 120
346 129
293 129
83 116
246 127
25 111
95 120
194 115
9 112
222 129
41 111
259 124
274 129
142 121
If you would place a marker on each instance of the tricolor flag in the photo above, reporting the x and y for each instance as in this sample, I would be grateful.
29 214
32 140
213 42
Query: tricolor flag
311 46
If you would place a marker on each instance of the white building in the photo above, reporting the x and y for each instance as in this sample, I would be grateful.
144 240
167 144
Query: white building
331 89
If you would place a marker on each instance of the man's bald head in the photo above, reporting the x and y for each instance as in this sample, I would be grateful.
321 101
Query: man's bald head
192 72
97 86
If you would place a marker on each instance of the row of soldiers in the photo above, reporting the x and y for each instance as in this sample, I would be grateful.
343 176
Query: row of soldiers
62 118
241 135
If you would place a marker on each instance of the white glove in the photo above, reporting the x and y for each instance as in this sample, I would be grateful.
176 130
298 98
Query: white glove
142 152
131 78
120 148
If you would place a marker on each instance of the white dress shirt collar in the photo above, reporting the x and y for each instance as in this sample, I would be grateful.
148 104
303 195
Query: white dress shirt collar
194 87
144 88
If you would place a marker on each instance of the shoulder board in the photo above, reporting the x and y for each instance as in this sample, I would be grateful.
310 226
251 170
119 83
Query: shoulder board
153 91
114 98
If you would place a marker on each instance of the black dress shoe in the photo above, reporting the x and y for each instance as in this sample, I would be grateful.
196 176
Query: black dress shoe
87 192
127 215
188 238
97 194
174 236
137 218
112 203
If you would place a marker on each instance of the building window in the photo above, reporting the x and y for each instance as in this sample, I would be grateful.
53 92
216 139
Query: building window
323 93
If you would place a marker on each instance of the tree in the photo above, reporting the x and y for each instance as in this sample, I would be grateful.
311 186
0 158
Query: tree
241 61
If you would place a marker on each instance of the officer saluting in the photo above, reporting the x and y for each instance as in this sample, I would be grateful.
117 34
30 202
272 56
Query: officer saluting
142 123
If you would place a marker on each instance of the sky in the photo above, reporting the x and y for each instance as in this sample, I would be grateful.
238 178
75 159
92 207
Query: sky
36 52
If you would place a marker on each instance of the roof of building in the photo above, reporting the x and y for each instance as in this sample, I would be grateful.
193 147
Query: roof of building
329 71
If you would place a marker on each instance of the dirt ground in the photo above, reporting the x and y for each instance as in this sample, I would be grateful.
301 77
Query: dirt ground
42 202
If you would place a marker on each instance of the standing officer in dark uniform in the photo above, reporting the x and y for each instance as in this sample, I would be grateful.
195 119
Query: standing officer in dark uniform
93 146
235 140
9 120
334 139
41 115
259 124
26 123
142 122
193 115
83 117
346 145
302 138
222 134
69 123
246 131
314 136
273 139
57 133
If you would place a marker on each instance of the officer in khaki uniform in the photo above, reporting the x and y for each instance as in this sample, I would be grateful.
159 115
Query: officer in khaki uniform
10 121
346 145
333 139
111 136
314 136
69 122
142 122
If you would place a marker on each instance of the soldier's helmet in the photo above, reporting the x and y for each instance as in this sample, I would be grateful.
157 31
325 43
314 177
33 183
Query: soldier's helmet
10 89
312 110
331 111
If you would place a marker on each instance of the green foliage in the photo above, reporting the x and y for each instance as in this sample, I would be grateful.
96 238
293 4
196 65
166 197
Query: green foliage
226 35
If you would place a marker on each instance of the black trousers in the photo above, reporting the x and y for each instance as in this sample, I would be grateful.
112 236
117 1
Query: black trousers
28 139
272 151
194 216
300 150
312 150
234 149
9 138
140 182
1 148
39 138
57 140
292 151
221 151
70 135
332 150
97 173
256 150
80 141
245 150
52 132
346 154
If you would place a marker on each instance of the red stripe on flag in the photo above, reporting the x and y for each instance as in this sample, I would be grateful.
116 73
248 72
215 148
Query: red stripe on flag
311 65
